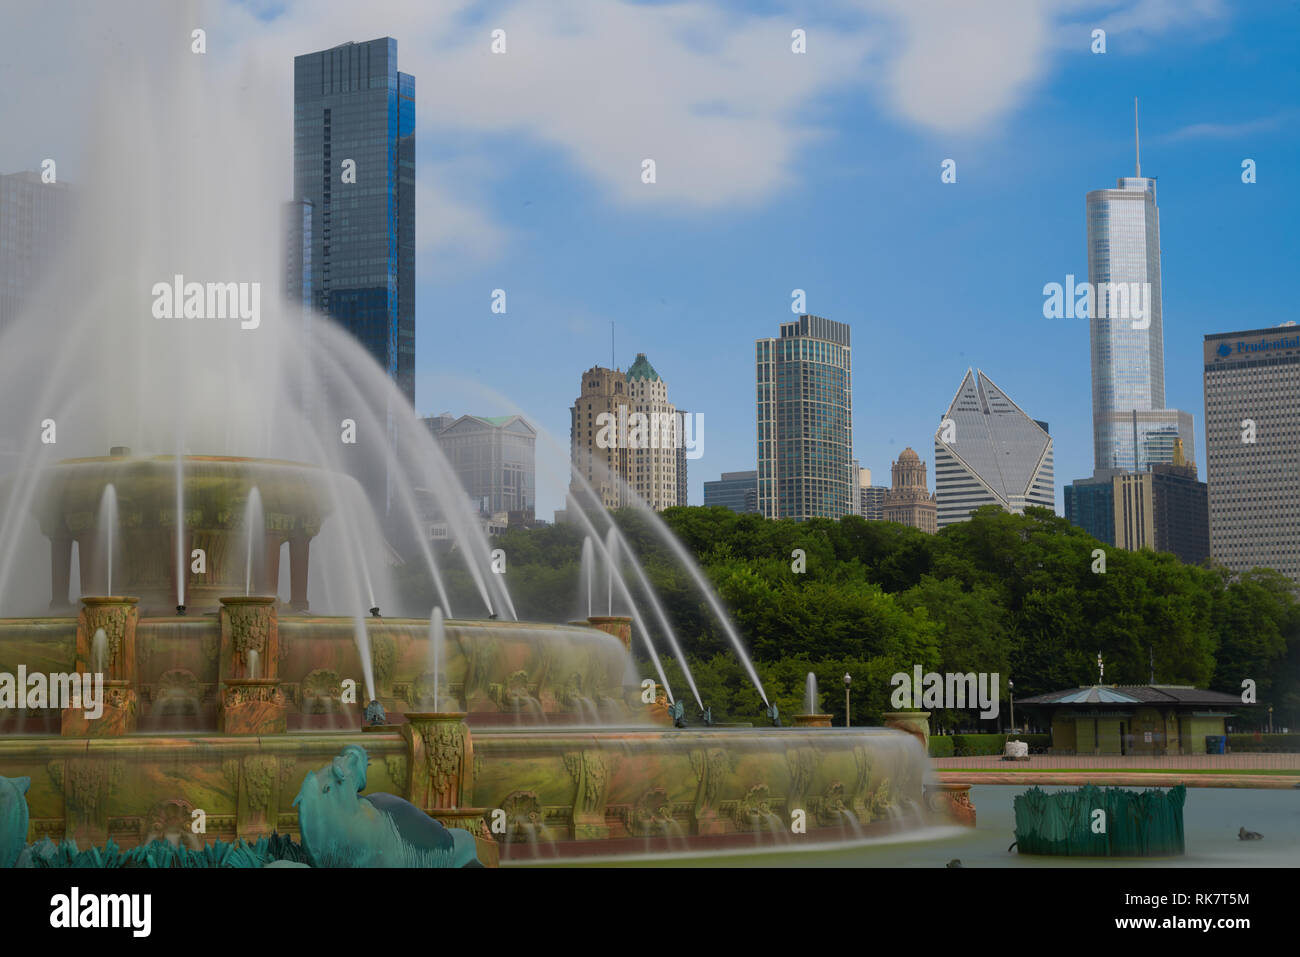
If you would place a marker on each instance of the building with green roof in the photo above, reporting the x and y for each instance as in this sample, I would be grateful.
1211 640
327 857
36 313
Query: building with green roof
494 456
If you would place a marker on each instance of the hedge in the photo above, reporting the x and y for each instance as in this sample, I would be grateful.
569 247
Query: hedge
970 745
1287 743
941 746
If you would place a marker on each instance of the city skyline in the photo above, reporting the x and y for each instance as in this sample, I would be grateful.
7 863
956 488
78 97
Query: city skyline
791 199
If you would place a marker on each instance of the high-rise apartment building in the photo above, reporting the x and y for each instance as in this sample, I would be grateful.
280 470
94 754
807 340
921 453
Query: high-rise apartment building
1252 437
909 500
625 434
35 227
35 230
868 499
987 451
354 171
682 467
805 420
871 499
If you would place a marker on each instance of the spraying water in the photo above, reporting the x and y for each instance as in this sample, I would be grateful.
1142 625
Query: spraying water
587 498
363 647
811 703
638 622
270 381
108 529
254 528
679 551
437 634
585 571
613 534
611 553
180 529
99 650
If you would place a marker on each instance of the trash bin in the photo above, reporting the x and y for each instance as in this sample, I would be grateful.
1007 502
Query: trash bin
1215 744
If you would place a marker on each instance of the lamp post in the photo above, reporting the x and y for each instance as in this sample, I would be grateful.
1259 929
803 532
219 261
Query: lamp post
848 681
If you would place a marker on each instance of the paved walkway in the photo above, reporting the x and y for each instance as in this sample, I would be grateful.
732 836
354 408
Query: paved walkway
1129 763
1123 771
1122 779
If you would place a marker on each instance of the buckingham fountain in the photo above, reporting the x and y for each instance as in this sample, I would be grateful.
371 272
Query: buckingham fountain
199 519
536 738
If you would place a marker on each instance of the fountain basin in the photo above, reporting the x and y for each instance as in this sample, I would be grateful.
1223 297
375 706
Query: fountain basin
812 720
547 791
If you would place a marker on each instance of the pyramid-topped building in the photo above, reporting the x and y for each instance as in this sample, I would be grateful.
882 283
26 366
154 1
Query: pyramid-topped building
987 451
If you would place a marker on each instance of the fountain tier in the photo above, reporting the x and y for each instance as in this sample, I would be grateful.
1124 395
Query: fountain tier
497 671
295 500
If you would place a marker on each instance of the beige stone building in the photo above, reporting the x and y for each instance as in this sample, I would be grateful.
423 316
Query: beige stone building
653 453
624 430
603 392
909 501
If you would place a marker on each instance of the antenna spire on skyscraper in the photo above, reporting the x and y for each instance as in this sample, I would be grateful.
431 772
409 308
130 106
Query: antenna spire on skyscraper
1137 141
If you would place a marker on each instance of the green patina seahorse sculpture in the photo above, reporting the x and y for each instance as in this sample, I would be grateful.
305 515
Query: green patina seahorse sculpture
340 828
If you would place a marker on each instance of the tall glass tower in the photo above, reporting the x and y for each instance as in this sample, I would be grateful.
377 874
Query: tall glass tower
1132 429
805 421
35 227
354 163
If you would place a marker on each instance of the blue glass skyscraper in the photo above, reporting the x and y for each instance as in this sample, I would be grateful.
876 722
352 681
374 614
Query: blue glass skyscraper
354 162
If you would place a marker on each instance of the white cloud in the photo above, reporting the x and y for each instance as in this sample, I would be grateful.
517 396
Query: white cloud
1136 24
451 230
715 96
1225 131
1156 17
957 66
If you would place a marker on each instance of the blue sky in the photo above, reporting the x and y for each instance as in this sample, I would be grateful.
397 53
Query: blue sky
932 277
775 171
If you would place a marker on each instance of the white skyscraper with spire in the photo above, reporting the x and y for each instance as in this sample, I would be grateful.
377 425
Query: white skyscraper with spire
1132 429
